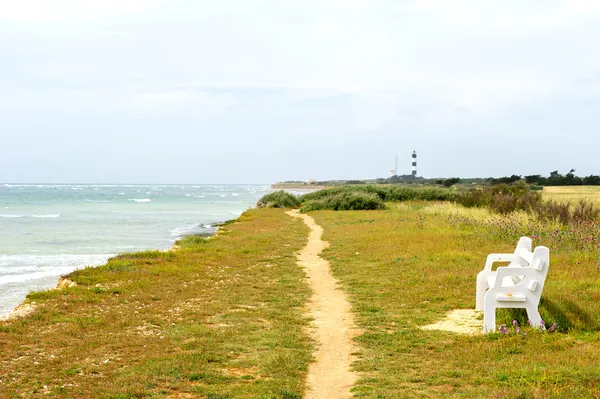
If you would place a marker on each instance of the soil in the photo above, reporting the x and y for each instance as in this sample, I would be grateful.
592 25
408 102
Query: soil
329 375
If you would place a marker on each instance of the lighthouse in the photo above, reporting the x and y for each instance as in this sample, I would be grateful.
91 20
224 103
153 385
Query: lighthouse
414 163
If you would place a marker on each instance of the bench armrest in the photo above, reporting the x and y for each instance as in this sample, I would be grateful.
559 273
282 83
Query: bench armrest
503 272
498 258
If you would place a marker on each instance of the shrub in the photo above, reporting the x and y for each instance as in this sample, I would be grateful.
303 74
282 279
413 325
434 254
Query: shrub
502 198
278 199
386 193
552 210
450 182
505 199
586 211
345 202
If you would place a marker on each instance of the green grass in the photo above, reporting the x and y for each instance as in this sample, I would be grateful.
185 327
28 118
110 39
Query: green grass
407 266
219 318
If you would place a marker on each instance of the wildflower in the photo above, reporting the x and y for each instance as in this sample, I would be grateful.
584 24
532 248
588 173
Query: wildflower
543 324
518 330
552 327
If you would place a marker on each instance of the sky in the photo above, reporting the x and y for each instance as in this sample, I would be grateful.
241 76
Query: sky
194 91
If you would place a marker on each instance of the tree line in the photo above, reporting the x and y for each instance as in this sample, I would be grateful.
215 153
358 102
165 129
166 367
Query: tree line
555 179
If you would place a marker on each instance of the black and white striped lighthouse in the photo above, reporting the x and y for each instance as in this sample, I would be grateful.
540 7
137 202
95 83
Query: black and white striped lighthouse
414 164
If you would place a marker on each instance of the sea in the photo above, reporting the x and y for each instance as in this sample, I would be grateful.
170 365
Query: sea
48 230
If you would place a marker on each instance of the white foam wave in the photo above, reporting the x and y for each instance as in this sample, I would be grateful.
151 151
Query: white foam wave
179 232
46 216
12 216
140 199
23 268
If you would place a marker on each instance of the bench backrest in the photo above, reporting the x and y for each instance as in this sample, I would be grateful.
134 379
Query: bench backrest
540 264
523 251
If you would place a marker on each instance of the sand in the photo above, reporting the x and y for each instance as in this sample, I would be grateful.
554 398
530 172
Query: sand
329 376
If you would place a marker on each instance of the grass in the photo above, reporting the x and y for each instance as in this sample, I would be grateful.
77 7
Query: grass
224 317
572 193
219 318
407 266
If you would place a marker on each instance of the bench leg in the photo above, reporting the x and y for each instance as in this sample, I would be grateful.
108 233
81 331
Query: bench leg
482 286
534 316
489 318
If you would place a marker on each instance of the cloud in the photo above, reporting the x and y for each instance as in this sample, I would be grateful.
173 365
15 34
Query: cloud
417 73
39 11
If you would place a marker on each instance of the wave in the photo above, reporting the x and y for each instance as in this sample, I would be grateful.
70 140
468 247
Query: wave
33 216
23 268
140 199
179 232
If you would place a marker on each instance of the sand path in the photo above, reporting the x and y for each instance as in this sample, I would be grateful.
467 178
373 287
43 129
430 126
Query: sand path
329 376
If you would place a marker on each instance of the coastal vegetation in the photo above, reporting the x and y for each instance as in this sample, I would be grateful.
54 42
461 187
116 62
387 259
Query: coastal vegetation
410 265
555 178
278 199
218 318
344 201
225 317
355 197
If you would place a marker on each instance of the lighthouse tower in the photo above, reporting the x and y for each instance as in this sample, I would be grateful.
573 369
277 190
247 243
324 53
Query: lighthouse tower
414 164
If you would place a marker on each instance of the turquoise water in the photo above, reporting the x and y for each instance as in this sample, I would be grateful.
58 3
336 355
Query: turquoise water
50 230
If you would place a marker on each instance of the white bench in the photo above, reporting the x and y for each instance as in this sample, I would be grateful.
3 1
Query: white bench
518 285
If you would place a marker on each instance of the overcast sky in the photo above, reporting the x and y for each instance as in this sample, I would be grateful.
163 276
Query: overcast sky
177 91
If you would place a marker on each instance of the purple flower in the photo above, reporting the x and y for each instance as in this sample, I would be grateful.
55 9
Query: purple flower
543 324
552 327
518 330
514 323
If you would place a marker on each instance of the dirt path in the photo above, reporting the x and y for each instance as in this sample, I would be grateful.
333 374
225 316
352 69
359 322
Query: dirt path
329 376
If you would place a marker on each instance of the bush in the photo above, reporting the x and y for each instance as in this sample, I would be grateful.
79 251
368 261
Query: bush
278 199
450 182
502 198
386 193
584 211
346 201
505 199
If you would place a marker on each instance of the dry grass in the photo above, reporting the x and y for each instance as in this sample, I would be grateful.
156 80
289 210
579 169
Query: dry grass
572 193
219 318
408 266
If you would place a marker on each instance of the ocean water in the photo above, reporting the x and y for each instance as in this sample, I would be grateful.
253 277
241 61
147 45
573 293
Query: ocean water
50 230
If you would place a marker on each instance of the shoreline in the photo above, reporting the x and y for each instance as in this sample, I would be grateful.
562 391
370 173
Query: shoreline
23 309
298 186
